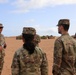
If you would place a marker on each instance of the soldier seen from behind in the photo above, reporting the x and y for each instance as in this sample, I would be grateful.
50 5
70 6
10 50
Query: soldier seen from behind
29 59
64 59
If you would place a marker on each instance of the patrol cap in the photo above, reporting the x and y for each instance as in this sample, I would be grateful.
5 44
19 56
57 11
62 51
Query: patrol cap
1 26
29 30
63 22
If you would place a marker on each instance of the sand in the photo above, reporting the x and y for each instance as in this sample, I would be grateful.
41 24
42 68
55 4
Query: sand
12 45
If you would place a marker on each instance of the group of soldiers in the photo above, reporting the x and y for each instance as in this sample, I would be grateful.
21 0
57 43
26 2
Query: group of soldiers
30 59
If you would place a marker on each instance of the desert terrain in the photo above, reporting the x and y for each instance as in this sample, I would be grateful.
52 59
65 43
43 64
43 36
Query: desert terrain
13 44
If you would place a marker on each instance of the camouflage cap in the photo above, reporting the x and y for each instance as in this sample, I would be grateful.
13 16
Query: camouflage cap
37 38
63 22
29 30
1 26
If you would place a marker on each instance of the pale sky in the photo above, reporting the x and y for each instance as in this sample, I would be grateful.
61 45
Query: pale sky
43 15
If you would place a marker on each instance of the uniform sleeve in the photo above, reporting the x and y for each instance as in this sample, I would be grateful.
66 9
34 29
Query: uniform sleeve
2 40
44 65
15 65
75 54
57 57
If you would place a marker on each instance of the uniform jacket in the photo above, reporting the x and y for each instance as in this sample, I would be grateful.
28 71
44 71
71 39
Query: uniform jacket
64 62
26 64
2 42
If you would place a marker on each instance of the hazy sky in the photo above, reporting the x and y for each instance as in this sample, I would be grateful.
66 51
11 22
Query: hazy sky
43 15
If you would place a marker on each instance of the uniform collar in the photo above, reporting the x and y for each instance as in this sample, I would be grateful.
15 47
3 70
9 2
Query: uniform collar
65 34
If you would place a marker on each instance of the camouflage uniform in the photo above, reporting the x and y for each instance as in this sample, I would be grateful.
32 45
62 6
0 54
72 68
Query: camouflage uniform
2 52
64 62
25 64
2 42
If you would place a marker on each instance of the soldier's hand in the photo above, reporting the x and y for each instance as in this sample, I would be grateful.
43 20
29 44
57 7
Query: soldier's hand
1 48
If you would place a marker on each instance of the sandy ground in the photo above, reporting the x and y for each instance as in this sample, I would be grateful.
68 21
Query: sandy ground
13 44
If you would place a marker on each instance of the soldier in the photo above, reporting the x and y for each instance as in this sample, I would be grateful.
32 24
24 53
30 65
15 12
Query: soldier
2 47
64 62
29 59
37 39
